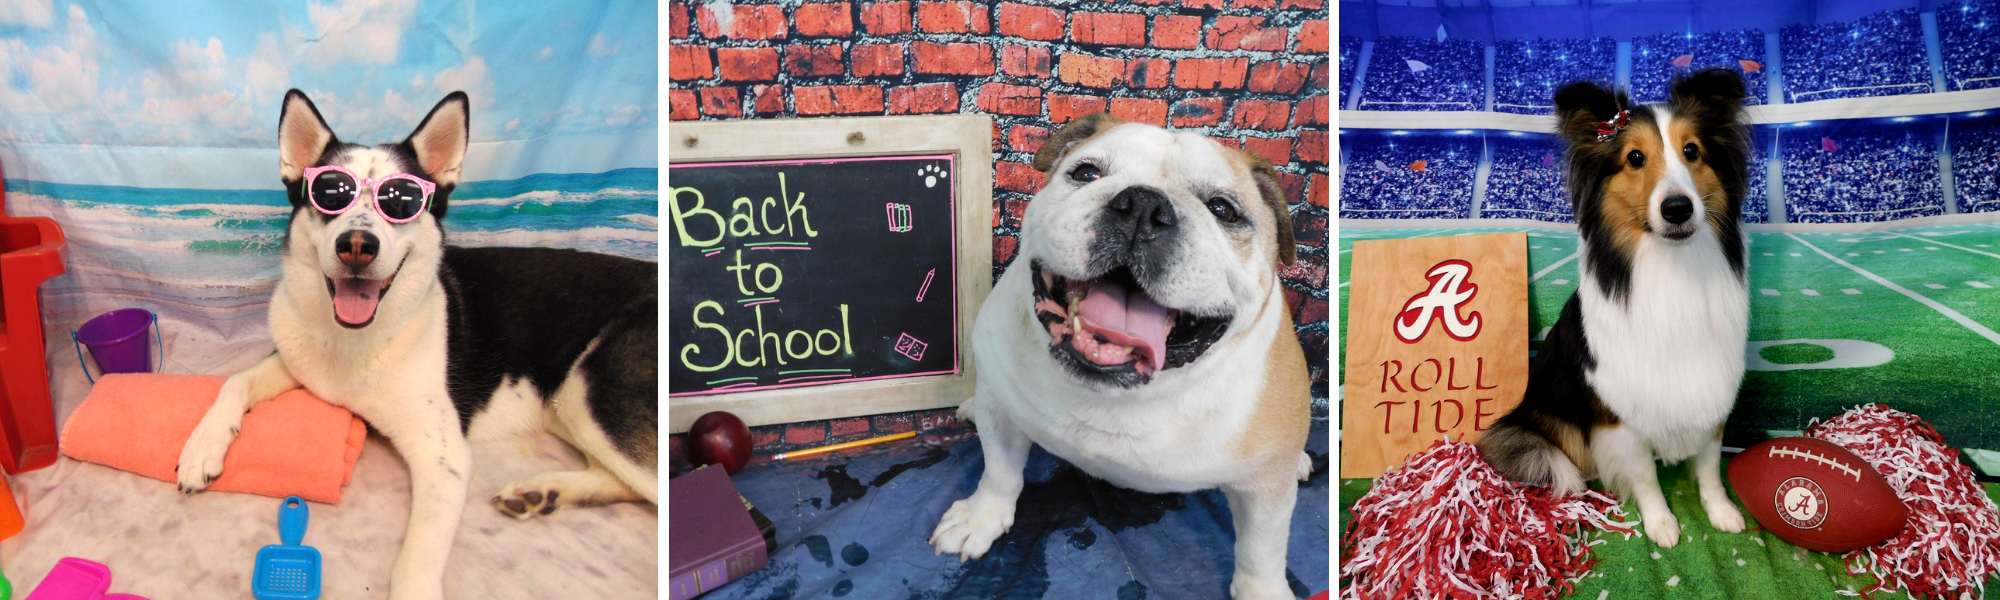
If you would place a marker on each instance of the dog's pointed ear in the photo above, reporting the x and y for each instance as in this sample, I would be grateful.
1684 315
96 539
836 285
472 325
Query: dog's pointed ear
1715 88
302 136
1060 142
1581 107
439 141
1273 196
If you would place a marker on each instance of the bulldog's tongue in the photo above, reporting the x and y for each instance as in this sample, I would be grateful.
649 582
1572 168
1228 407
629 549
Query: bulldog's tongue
1125 318
354 299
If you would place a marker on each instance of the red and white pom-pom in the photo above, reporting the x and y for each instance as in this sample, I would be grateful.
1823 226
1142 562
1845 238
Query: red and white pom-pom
1446 525
1952 540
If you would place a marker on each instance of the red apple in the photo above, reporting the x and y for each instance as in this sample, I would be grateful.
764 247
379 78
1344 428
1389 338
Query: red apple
719 438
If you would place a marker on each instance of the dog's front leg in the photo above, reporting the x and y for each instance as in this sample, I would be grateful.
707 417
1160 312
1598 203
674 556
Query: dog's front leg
440 462
970 526
1261 508
201 457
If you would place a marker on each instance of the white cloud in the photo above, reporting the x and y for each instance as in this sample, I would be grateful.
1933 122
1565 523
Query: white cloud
623 115
600 47
470 78
363 31
62 78
28 13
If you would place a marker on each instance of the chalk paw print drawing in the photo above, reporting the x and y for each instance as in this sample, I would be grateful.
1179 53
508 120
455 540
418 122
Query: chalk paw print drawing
932 174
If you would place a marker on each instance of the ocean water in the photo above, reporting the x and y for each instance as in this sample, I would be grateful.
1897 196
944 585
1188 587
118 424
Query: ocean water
206 260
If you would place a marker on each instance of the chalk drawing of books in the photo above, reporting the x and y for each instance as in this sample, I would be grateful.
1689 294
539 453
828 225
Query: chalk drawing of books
899 217
911 347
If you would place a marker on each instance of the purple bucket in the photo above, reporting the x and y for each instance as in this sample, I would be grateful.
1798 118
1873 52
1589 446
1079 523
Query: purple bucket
118 341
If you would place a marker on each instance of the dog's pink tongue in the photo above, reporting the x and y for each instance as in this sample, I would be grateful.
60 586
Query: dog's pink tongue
354 299
1128 319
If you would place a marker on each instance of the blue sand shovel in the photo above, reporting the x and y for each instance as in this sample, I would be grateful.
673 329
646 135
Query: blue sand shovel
288 571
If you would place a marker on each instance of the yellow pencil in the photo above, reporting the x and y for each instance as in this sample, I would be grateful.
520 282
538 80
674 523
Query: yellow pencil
845 445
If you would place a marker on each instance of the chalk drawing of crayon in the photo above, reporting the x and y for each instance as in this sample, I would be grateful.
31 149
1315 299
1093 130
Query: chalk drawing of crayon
927 285
899 217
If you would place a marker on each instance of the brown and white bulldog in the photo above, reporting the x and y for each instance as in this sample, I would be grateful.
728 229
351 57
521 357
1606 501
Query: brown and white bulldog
1143 336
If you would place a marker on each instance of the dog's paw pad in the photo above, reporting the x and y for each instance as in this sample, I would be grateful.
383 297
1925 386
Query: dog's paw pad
526 504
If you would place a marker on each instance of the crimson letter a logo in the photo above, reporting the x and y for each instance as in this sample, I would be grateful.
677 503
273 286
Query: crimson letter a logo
1451 288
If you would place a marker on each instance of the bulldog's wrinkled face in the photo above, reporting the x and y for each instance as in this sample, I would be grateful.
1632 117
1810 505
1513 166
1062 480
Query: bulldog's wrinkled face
350 231
1147 247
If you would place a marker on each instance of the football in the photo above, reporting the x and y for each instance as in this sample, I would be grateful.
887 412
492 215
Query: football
1816 495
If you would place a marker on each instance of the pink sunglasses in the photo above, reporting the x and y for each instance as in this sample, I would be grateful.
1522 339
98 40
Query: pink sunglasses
400 198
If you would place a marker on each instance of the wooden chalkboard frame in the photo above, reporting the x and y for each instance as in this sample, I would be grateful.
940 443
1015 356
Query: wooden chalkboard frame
969 137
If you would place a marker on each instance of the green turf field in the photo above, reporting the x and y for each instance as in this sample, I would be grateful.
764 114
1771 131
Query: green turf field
1929 295
1904 317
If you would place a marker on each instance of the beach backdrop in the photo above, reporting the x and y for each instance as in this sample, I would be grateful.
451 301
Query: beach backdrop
148 131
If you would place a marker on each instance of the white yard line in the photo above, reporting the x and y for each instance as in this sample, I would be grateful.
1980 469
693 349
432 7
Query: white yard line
1982 330
1547 269
1934 241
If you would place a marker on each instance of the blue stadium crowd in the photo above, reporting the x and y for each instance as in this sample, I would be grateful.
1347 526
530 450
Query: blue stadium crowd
1350 51
1526 180
1383 180
1975 164
1756 189
1406 73
1878 55
1968 36
1527 73
1860 173
1653 57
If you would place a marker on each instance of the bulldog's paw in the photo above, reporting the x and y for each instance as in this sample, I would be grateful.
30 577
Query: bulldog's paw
970 526
201 458
1245 587
1662 527
1722 514
1305 466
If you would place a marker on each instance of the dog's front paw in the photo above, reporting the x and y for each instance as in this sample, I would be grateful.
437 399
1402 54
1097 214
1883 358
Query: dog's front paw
1245 587
1723 515
201 458
970 527
1662 528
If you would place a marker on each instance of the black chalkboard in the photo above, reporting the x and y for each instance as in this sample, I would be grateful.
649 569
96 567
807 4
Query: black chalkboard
800 273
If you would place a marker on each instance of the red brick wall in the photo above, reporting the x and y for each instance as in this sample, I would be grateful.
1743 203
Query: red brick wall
1250 73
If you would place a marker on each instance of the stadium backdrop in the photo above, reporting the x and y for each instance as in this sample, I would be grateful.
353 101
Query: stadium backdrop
1875 247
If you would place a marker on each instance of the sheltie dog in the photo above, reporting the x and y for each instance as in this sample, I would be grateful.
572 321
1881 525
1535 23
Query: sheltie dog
1645 360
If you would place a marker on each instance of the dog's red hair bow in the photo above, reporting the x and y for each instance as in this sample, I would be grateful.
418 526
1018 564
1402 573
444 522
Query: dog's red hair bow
1610 129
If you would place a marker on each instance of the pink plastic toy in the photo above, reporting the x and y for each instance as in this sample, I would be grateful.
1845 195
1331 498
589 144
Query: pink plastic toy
78 579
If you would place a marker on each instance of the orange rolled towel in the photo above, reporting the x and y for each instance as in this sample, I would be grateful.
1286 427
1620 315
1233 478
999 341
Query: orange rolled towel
291 445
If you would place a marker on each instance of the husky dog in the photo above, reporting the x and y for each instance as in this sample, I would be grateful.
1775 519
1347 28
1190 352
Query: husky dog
427 342
1645 360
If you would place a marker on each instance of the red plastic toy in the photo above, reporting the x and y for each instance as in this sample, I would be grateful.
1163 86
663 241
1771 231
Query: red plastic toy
32 250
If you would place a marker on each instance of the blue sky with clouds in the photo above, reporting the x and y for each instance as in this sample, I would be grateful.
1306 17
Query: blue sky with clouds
186 94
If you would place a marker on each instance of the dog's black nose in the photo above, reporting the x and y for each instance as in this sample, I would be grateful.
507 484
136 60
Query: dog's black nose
357 249
1677 209
1145 210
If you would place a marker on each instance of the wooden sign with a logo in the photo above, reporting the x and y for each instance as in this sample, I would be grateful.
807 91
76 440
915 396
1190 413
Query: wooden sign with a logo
1437 344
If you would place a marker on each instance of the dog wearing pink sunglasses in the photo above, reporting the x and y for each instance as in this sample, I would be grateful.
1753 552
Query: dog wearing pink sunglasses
432 344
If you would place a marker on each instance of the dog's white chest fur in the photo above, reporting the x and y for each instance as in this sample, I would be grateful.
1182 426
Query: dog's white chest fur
1670 357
